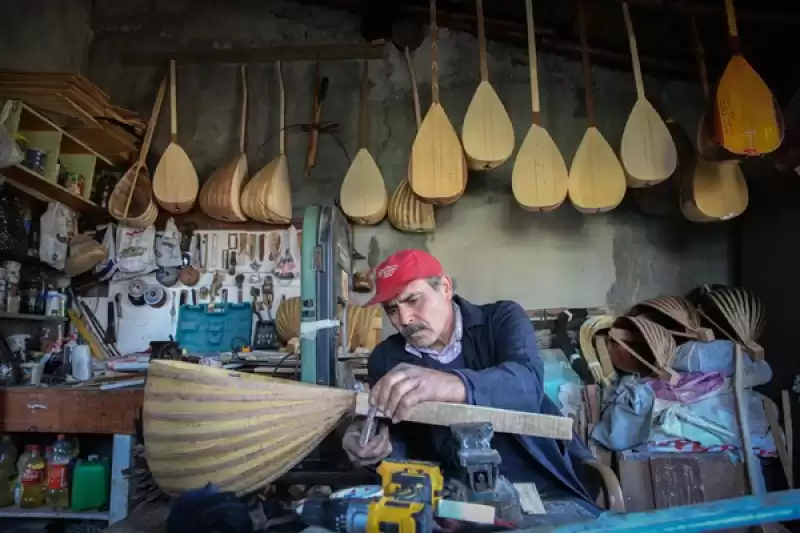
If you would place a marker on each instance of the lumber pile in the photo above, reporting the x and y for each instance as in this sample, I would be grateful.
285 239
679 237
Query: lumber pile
79 105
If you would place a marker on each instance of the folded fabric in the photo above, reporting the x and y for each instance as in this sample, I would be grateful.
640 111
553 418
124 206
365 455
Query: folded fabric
627 415
691 386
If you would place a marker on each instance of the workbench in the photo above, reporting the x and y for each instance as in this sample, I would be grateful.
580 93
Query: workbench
76 411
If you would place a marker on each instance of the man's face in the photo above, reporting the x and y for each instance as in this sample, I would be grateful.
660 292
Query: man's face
421 311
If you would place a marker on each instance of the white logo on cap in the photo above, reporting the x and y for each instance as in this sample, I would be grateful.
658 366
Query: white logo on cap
387 272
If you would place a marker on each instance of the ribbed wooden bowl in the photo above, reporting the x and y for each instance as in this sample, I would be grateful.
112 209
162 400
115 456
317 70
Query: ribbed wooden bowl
363 323
238 431
143 210
648 348
676 314
737 314
408 213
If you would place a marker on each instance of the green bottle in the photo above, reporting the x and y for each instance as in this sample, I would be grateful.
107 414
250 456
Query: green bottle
90 484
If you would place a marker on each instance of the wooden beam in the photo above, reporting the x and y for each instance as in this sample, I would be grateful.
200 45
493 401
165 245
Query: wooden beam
547 39
647 62
197 220
310 52
503 420
451 19
704 10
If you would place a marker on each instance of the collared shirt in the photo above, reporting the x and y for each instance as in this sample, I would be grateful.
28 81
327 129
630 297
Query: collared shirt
450 352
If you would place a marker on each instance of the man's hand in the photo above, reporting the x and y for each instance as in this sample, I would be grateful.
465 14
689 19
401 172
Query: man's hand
376 450
406 385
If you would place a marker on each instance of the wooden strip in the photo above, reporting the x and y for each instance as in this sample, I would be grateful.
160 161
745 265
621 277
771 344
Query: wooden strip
788 428
263 54
777 435
503 421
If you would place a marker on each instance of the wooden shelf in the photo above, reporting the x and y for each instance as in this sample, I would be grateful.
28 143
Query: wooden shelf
74 155
44 512
34 318
64 410
36 185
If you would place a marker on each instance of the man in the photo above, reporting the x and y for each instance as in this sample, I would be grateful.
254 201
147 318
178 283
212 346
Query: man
450 350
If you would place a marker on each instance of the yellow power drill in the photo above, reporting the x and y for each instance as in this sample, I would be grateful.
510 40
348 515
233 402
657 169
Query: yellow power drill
411 492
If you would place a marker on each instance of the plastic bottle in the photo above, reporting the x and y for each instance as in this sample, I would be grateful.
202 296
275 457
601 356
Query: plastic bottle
90 484
22 460
33 482
57 494
8 453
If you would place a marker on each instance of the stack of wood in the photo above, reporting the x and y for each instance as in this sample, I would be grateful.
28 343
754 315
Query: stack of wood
75 102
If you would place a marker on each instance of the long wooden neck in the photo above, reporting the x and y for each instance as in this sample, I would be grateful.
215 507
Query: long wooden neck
587 67
434 58
414 90
637 68
363 111
282 131
733 31
173 111
482 42
243 123
532 63
701 59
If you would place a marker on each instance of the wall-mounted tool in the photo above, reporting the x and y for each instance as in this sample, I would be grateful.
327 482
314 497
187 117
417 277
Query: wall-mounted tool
242 244
167 276
274 246
239 280
232 263
265 336
320 91
205 293
214 259
111 329
204 252
173 313
189 276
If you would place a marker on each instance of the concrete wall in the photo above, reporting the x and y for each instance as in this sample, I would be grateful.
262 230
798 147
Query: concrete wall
45 35
492 248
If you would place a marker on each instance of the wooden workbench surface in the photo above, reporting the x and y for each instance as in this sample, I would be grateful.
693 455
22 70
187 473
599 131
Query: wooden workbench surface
62 410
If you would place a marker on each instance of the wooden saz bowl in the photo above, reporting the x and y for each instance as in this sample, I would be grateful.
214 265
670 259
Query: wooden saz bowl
408 213
677 315
736 314
641 346
238 431
364 324
143 210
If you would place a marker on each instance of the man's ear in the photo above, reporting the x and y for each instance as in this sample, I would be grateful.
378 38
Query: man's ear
448 287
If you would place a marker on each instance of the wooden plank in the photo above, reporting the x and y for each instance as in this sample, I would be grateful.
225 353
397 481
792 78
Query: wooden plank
197 220
676 481
27 409
308 52
503 421
636 482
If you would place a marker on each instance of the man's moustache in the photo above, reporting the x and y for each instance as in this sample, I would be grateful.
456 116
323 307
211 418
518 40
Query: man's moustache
411 329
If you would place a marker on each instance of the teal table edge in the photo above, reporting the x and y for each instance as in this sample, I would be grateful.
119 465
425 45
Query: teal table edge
731 513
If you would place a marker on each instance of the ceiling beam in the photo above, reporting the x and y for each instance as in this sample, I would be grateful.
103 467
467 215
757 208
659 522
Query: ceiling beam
549 40
297 52
704 10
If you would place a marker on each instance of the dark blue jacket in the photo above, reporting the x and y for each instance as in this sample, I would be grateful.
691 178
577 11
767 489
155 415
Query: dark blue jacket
502 369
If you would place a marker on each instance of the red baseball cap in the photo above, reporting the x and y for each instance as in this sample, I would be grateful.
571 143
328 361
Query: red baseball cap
400 269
